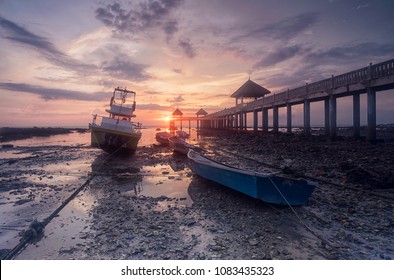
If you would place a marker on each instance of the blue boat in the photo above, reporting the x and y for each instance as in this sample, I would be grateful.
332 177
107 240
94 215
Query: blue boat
266 187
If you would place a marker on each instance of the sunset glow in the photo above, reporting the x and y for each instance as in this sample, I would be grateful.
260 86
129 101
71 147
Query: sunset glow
60 64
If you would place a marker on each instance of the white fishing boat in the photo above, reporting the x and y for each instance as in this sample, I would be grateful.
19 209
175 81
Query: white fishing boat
117 132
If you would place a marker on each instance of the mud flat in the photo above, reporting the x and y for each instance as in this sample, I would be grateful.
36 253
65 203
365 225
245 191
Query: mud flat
151 206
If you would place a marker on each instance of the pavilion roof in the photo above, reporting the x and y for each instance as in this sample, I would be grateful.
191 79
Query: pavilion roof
177 112
250 89
201 112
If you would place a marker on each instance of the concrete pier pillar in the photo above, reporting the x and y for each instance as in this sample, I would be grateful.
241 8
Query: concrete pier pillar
241 120
255 121
265 119
333 117
275 115
288 107
356 115
236 121
245 121
307 116
371 112
327 117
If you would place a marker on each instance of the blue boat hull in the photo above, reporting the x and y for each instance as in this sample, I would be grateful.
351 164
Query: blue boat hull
266 187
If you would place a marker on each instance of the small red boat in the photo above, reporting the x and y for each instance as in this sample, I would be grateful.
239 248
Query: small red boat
179 145
162 137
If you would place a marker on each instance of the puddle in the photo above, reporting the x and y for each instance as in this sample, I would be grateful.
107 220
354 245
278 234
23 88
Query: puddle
158 181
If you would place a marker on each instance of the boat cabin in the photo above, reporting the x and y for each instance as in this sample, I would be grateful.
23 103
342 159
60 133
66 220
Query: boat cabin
122 104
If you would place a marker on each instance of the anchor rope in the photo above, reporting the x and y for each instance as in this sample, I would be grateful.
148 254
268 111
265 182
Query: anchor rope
37 227
300 220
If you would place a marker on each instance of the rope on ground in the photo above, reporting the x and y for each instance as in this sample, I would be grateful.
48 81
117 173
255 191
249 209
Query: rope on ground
36 227
299 218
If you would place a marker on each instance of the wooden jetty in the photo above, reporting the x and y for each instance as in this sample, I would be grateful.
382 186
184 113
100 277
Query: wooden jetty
200 118
368 80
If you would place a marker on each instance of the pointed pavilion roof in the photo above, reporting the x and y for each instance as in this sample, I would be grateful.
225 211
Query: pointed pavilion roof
201 112
177 112
250 89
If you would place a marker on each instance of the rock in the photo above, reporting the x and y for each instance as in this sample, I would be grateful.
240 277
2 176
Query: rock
253 242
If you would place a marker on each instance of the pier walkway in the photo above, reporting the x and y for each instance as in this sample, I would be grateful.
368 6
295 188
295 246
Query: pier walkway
368 80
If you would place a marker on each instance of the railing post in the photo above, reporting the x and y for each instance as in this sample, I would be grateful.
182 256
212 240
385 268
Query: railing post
369 75
332 81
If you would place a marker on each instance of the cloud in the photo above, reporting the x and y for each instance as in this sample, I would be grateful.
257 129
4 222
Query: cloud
154 107
170 28
177 70
15 33
176 100
283 30
123 67
187 48
53 93
351 53
278 56
148 14
19 34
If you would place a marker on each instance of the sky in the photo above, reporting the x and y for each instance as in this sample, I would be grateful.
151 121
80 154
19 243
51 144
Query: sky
61 60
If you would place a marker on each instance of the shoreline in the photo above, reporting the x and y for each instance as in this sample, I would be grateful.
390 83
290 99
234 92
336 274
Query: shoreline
8 134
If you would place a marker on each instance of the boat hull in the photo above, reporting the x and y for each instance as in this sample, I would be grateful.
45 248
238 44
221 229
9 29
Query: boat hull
113 141
266 187
179 145
162 138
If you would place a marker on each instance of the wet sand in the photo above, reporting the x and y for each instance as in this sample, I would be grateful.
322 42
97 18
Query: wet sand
151 206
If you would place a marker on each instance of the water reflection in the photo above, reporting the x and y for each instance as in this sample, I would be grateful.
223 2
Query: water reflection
135 176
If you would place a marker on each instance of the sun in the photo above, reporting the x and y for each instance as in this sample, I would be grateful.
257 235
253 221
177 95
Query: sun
166 118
